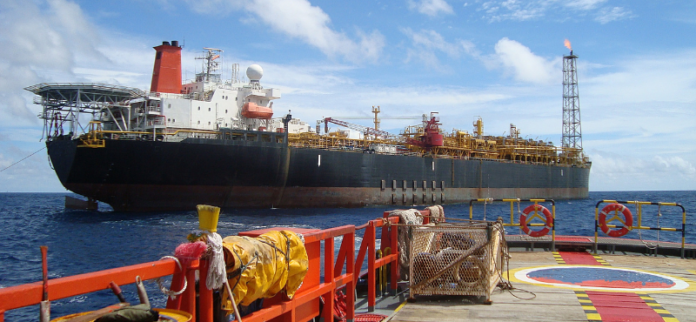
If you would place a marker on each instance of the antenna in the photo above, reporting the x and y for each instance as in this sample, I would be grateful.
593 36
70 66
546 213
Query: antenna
210 65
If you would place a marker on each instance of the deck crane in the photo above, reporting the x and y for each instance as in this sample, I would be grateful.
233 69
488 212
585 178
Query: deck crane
360 128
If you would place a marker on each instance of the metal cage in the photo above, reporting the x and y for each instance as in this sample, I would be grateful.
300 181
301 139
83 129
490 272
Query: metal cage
456 259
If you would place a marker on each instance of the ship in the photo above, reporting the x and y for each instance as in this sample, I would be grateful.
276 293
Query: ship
220 142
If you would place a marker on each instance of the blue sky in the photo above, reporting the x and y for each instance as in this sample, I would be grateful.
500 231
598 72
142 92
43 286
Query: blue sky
499 60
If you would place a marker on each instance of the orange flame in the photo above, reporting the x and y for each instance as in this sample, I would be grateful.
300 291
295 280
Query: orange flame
567 44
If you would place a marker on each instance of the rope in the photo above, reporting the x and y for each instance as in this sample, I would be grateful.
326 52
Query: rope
23 159
647 244
169 292
216 272
505 284
484 208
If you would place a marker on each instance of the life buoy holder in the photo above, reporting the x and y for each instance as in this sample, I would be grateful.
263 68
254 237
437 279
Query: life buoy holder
536 208
616 208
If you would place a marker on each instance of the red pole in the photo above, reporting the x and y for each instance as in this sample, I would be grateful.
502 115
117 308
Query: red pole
188 298
369 238
45 306
205 296
395 251
329 279
350 269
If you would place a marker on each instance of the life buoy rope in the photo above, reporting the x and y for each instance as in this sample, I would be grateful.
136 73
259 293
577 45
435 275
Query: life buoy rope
524 222
617 209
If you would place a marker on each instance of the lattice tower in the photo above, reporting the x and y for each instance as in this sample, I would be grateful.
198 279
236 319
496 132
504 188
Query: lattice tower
572 131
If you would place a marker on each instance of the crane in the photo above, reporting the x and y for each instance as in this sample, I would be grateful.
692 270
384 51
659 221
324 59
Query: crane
360 128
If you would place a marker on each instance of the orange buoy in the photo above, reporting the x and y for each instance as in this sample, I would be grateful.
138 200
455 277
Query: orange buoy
616 208
524 223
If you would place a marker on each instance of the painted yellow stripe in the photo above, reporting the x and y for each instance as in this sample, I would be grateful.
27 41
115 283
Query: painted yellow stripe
594 317
400 306
658 308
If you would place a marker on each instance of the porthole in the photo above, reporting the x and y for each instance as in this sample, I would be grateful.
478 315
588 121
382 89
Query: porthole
170 106
208 123
208 109
225 111
199 108
199 122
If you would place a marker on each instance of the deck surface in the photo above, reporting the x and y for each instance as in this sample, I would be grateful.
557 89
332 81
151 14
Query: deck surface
537 302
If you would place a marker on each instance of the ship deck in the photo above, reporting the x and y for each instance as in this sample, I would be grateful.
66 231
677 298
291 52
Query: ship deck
608 298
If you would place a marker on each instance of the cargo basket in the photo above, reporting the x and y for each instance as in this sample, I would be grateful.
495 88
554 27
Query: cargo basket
456 258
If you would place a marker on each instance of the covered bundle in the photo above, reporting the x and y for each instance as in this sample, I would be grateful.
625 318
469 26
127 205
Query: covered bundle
263 266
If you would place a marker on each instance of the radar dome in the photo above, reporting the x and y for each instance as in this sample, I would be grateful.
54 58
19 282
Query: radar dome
254 72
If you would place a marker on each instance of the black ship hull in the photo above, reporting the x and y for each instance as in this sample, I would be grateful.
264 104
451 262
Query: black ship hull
157 176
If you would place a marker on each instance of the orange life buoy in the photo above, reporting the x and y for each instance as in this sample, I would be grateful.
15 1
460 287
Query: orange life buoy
340 308
536 208
616 208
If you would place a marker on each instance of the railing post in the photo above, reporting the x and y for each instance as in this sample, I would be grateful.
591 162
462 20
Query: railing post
329 298
205 296
177 283
188 298
350 271
394 250
370 239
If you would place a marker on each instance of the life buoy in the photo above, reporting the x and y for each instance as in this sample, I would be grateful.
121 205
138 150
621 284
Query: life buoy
616 208
470 273
548 220
339 305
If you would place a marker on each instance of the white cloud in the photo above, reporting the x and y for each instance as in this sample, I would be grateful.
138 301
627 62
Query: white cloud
620 173
430 7
516 10
583 4
653 78
607 15
301 20
524 64
427 43
52 40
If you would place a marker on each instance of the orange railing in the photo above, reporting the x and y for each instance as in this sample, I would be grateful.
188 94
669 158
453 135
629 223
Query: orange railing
304 306
19 296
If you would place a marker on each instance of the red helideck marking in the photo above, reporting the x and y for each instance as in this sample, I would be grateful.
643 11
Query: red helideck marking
573 239
578 258
615 307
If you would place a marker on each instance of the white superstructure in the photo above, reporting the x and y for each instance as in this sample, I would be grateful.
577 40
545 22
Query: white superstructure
206 104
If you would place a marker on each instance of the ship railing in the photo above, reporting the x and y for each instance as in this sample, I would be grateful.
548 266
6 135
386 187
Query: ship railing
612 213
546 218
327 273
15 297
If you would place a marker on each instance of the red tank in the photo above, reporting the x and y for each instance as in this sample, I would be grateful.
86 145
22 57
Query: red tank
253 111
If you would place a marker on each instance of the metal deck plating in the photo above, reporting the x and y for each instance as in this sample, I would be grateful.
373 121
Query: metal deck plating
530 301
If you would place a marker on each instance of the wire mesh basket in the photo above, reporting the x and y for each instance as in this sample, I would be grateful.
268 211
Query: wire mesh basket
456 259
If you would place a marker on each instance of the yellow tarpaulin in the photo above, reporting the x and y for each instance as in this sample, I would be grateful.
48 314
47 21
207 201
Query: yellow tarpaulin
263 266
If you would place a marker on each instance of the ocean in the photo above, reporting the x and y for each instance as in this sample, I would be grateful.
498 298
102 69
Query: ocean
82 241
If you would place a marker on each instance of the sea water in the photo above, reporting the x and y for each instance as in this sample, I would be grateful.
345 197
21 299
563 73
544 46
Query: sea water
83 241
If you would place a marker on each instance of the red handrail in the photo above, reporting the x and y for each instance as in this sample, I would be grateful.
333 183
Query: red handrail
302 307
